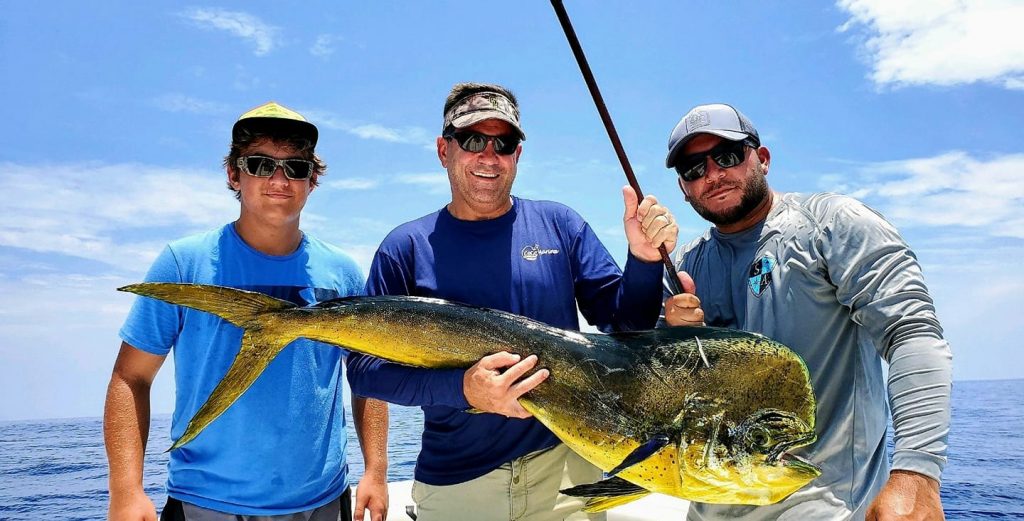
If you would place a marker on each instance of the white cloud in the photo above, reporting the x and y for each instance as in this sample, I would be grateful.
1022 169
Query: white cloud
976 288
122 215
183 103
240 24
374 131
88 210
70 296
66 325
963 215
1014 83
409 135
353 183
323 47
941 42
434 183
952 189
405 135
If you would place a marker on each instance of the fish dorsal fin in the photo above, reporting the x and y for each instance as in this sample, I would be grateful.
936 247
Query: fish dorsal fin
641 453
234 305
606 494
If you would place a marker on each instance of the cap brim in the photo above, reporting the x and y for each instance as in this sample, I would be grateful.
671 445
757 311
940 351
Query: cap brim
473 118
282 126
677 149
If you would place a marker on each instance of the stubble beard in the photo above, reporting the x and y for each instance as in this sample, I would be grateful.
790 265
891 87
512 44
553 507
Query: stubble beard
479 200
755 190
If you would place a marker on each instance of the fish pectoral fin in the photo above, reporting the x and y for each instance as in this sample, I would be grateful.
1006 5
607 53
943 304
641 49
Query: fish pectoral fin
641 453
606 494
610 487
259 348
600 504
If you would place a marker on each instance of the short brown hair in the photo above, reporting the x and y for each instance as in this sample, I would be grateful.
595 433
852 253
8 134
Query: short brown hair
245 137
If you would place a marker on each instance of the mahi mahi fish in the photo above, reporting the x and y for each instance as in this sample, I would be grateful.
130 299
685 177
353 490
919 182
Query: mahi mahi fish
704 414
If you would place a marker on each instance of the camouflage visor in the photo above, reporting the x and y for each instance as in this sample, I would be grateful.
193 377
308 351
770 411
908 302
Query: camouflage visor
480 106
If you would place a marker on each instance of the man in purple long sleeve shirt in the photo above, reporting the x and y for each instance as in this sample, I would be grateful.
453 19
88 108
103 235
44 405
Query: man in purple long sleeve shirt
539 259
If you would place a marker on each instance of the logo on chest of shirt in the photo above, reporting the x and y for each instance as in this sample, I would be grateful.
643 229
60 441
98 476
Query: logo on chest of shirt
533 252
761 274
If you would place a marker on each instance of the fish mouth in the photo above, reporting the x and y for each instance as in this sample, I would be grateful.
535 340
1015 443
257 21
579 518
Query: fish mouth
794 462
780 450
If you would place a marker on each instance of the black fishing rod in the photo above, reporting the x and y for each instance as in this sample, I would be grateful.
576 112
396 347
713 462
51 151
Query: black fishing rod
588 76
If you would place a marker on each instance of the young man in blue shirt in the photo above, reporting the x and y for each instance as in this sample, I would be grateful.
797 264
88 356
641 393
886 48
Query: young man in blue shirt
539 259
279 452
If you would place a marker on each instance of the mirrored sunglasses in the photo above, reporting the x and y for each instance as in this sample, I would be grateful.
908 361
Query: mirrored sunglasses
726 154
476 142
262 166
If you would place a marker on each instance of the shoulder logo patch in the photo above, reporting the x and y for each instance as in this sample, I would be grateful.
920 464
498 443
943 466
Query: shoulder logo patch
534 251
761 274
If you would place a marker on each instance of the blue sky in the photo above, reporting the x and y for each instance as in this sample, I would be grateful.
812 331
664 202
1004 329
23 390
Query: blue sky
117 115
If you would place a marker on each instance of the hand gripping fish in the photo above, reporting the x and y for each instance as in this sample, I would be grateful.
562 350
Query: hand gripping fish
704 414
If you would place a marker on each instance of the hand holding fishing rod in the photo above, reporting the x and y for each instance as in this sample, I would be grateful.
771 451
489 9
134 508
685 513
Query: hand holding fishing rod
588 76
650 227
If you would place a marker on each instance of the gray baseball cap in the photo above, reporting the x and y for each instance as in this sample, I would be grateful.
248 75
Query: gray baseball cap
718 119
483 105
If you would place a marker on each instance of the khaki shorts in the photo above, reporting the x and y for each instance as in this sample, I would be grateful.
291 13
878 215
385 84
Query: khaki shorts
525 489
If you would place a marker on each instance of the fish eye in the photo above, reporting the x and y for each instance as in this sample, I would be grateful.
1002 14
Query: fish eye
760 437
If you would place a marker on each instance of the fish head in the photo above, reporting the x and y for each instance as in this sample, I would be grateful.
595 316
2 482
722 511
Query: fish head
735 445
749 463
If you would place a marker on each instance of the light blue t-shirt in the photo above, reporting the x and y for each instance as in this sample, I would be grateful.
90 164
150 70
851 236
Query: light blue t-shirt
281 447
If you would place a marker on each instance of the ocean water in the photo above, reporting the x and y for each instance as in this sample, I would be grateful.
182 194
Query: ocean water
56 469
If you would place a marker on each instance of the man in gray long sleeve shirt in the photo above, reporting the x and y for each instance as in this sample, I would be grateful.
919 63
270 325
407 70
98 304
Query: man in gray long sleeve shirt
831 279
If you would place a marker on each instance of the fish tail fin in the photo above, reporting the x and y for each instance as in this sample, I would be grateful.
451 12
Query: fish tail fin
259 348
261 342
234 305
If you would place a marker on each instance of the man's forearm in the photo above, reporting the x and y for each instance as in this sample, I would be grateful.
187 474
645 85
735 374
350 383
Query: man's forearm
125 431
920 373
404 385
371 421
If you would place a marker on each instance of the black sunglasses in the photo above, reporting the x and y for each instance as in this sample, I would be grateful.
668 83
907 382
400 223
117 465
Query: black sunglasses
262 166
726 154
476 142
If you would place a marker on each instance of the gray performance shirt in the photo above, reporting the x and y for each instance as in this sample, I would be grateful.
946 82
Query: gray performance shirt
830 278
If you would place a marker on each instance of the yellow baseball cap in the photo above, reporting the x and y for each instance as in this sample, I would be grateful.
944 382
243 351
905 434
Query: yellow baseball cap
274 118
